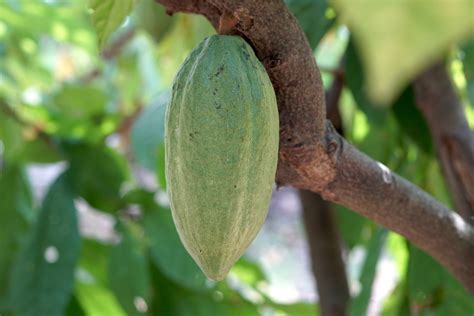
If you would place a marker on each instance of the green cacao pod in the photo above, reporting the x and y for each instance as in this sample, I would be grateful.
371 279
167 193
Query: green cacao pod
222 132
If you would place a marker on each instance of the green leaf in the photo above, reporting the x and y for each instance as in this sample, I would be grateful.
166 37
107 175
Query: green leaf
248 272
78 101
297 309
97 174
352 226
16 213
107 16
356 82
411 120
91 281
152 17
128 272
397 39
468 65
433 290
311 15
42 280
148 132
397 303
359 304
167 251
173 299
74 308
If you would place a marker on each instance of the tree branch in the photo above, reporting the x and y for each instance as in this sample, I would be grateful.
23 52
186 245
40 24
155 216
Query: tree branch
314 157
323 234
454 141
326 257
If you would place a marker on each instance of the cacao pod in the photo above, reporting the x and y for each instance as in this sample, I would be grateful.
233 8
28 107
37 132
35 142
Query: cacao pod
221 138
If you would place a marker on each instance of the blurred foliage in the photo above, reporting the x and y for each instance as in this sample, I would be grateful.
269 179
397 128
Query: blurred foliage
398 39
84 88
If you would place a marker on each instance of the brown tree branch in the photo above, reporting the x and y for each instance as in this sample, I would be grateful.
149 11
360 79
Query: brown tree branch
326 257
454 141
314 157
323 234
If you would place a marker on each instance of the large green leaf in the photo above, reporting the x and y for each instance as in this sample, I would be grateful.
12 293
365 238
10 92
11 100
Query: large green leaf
397 39
97 174
42 279
128 272
107 16
15 215
148 132
432 290
91 289
173 299
359 304
167 251
311 15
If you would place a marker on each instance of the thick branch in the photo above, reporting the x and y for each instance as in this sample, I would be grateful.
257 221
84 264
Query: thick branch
322 232
372 190
454 141
326 258
323 161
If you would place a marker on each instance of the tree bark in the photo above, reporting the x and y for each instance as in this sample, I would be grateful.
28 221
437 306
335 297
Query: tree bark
326 256
322 232
314 157
452 137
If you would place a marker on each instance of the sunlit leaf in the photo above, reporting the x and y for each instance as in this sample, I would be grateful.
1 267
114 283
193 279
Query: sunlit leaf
42 280
107 16
248 272
397 39
397 303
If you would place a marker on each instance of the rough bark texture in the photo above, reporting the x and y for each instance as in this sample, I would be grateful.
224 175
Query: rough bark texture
326 257
314 157
325 246
454 141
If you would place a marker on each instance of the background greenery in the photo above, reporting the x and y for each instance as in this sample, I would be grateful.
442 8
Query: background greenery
100 116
